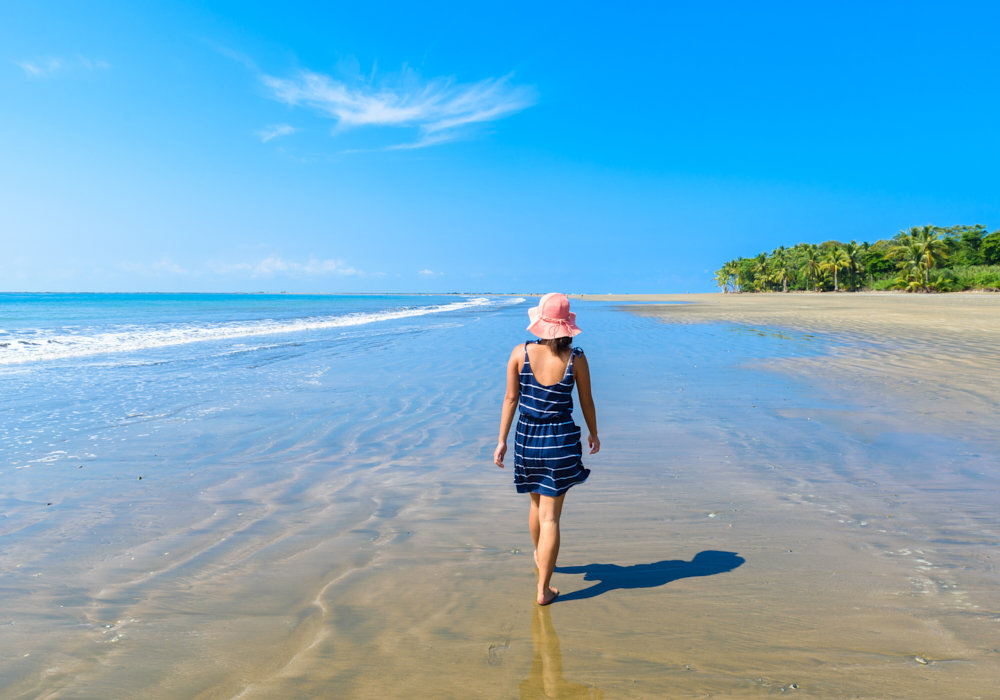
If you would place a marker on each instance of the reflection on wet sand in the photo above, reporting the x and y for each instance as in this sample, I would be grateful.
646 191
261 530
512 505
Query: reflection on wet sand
546 679
612 577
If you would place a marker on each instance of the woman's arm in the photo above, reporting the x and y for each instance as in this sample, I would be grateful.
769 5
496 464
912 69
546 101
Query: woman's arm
581 373
509 404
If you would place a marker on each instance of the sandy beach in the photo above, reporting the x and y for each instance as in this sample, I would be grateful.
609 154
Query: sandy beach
775 511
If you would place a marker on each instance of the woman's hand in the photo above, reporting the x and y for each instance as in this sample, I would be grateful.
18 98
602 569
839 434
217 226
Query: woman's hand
595 444
499 454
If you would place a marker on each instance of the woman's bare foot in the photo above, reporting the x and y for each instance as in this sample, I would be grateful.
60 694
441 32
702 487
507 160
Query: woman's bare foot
548 596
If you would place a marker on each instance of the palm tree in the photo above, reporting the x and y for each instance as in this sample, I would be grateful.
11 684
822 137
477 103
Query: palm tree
725 277
865 253
835 260
933 250
739 271
779 267
760 275
811 265
722 279
911 259
733 276
920 247
856 260
910 284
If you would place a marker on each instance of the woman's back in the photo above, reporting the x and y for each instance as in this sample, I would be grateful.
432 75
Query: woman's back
549 397
548 364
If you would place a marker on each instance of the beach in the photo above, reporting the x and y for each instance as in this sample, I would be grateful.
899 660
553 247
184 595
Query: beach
795 494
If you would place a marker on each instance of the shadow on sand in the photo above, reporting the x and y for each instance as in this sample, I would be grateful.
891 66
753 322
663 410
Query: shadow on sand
612 577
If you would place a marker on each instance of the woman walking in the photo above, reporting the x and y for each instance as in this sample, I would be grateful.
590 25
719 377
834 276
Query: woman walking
547 450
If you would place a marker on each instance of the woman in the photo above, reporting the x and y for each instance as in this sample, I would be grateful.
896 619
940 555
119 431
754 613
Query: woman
547 449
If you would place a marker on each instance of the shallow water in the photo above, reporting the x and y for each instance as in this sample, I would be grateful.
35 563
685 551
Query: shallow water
318 515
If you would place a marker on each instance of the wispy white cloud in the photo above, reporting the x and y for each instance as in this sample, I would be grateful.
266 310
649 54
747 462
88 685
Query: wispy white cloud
440 109
428 273
92 64
43 68
273 266
234 55
163 265
275 131
51 66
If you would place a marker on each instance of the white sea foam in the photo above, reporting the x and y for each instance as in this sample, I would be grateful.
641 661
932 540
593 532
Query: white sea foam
55 345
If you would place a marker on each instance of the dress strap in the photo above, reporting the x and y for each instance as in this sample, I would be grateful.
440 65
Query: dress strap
572 355
569 365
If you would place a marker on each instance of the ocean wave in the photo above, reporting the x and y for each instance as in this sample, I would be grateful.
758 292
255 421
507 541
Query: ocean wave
53 345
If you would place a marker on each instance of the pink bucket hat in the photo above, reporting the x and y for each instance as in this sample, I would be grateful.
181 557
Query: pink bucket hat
552 318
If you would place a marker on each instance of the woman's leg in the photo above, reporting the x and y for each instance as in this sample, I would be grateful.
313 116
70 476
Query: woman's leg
547 544
533 522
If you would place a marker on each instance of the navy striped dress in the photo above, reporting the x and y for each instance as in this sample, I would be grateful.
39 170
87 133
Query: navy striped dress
547 449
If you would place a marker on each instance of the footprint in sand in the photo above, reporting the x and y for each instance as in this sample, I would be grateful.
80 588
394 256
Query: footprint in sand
496 653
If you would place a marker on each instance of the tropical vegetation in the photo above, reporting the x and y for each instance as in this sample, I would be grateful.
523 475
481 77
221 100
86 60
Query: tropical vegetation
921 259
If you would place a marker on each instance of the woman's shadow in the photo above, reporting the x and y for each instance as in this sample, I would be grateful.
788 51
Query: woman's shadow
612 577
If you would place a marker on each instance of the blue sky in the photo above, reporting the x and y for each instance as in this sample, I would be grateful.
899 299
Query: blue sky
413 147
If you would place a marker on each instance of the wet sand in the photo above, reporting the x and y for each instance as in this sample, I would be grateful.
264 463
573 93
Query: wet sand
763 517
934 349
897 562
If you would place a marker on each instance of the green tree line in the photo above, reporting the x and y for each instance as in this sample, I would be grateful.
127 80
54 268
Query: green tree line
923 259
